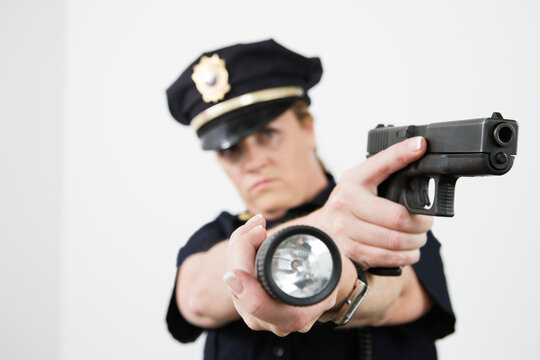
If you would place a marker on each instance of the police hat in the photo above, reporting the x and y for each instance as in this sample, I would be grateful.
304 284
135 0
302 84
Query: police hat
230 93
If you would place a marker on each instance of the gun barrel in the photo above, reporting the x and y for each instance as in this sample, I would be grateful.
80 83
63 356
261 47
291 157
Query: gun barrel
504 134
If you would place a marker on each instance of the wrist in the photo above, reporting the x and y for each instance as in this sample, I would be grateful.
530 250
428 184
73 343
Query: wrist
345 286
346 282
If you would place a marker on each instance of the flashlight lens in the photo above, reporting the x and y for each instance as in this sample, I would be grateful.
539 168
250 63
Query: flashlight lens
302 265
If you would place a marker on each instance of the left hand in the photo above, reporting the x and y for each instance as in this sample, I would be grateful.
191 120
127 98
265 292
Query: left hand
258 309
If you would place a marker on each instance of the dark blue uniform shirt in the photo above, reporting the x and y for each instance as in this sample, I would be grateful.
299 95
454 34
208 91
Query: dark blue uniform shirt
236 341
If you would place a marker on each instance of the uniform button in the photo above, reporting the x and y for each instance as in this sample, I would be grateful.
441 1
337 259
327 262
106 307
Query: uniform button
278 351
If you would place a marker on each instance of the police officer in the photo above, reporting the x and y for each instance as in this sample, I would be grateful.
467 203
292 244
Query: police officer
249 104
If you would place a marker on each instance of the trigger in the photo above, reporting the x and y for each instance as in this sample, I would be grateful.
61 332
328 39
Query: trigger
423 196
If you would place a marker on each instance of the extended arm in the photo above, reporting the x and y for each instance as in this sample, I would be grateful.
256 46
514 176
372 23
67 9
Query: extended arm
202 297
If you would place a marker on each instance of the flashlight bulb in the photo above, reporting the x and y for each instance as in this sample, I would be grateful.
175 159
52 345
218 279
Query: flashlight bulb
299 265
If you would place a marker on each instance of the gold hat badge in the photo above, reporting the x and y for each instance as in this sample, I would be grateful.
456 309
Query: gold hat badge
211 78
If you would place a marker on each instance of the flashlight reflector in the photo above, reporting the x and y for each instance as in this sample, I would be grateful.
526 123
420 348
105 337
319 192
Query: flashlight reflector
299 265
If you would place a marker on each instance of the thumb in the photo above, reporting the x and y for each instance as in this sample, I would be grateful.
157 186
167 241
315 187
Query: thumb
242 248
383 164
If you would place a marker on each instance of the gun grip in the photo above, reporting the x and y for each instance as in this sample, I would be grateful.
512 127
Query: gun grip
385 271
444 196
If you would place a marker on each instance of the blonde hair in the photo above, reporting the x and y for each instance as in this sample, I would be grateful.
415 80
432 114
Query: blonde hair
300 108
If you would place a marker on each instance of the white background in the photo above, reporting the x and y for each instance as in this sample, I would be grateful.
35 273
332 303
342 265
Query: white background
99 186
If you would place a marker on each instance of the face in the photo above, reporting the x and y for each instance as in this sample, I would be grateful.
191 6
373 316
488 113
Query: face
276 168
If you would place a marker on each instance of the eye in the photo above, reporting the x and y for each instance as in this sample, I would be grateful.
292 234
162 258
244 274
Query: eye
268 133
230 153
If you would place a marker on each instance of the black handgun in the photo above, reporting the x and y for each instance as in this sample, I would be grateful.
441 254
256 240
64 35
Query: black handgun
476 147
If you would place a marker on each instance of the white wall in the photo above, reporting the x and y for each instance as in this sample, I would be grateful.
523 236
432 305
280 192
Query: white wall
31 145
134 185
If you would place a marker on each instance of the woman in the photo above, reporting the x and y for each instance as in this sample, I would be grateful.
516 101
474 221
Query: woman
249 103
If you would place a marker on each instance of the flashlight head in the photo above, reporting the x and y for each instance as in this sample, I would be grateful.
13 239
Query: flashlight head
299 265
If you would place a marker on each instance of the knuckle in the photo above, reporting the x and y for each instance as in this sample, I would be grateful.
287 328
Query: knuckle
192 305
339 229
424 239
399 217
422 223
382 170
338 202
252 324
296 323
353 251
417 241
396 240
394 259
306 328
415 256
359 255
278 331
254 307
428 222
348 249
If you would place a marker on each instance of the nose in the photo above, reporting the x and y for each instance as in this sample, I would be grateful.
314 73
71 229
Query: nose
255 156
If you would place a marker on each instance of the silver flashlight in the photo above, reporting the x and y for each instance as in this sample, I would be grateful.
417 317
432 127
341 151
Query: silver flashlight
299 265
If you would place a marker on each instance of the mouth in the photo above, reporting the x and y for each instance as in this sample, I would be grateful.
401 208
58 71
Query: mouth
262 184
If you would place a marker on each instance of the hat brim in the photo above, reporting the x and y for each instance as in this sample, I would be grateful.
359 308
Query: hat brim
231 128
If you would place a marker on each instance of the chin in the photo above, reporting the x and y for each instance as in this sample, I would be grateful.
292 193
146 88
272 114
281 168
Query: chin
275 207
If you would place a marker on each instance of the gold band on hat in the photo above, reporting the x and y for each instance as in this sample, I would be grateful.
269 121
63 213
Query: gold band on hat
244 100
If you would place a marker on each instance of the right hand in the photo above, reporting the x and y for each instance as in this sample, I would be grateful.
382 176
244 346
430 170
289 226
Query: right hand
370 230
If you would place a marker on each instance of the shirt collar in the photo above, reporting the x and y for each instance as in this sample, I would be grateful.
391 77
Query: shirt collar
318 201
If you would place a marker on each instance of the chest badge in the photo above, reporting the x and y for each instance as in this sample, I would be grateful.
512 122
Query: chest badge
211 78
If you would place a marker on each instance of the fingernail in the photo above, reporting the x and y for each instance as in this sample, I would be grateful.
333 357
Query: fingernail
232 282
415 144
254 218
256 228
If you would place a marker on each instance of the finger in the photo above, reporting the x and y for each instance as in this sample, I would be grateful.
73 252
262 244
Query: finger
383 164
391 215
370 256
250 224
243 246
252 300
257 324
378 236
366 206
308 327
